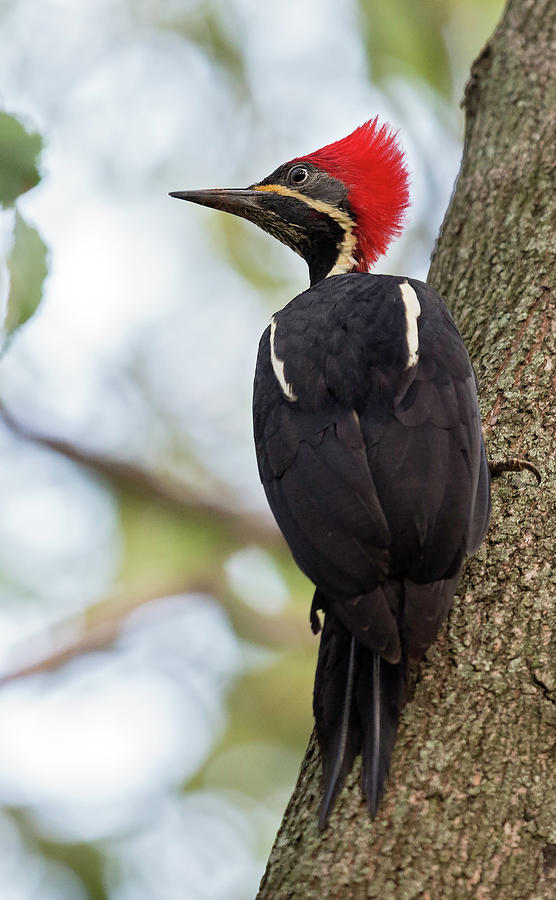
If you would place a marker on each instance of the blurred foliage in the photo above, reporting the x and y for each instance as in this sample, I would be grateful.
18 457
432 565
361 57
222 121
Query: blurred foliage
165 545
19 154
287 680
414 40
28 267
27 263
402 38
85 860
170 549
247 250
268 707
210 26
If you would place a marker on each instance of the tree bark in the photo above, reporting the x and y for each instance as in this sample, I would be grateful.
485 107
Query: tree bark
470 810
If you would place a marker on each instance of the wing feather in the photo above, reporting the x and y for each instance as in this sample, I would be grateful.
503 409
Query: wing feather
326 503
388 488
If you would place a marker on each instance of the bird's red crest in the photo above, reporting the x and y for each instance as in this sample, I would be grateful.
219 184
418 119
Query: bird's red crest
371 164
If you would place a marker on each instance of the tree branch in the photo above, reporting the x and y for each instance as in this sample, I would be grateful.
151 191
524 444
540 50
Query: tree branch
169 491
100 626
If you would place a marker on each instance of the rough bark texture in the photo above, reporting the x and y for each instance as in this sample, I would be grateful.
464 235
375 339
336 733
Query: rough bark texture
470 810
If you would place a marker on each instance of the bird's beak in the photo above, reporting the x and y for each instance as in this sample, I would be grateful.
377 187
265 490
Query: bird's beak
280 216
246 203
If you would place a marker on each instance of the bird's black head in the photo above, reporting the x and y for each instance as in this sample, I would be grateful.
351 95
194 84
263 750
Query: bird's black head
301 206
337 208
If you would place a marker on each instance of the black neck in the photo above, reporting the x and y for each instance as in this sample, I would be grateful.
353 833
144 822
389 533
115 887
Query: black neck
323 247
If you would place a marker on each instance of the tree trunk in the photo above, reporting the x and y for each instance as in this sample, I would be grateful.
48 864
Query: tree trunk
470 810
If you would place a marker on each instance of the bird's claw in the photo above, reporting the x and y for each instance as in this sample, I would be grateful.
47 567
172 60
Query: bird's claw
514 464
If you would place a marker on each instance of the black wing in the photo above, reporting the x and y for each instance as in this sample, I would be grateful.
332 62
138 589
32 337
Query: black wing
394 491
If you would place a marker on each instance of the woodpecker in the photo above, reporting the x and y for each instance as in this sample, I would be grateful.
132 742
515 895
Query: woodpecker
368 440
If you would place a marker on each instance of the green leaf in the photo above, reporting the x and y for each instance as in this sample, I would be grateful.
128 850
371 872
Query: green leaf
19 152
28 266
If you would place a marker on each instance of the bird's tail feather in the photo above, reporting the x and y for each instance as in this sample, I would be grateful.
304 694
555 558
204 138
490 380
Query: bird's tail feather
380 697
333 703
357 702
342 758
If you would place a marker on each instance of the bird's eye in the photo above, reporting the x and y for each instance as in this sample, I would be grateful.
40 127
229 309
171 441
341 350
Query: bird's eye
298 175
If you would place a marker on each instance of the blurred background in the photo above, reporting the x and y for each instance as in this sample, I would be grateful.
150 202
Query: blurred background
156 660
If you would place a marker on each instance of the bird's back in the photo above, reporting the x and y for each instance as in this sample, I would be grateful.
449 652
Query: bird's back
371 466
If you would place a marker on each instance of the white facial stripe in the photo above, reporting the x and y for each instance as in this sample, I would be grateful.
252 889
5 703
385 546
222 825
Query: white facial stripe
278 366
412 313
345 262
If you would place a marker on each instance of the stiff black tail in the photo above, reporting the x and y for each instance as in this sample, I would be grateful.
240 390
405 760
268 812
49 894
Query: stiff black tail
380 697
357 703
